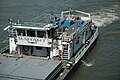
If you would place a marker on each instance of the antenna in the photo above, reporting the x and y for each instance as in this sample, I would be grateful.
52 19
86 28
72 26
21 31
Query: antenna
18 21
10 21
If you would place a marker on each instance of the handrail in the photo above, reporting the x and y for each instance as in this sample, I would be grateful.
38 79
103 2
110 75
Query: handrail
4 49
81 12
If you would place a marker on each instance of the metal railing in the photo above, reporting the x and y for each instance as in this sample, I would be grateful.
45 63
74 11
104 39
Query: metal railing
4 49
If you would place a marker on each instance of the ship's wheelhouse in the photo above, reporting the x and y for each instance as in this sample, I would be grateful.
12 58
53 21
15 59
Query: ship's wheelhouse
30 40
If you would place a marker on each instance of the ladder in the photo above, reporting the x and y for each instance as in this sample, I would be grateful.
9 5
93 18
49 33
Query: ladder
65 54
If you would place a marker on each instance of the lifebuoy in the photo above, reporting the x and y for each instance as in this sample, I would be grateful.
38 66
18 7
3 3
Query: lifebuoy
26 48
59 59
60 54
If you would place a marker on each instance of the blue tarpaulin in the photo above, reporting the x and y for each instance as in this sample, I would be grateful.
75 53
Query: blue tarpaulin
68 23
80 23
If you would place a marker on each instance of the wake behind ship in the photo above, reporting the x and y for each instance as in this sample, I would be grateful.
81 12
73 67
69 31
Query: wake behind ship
48 47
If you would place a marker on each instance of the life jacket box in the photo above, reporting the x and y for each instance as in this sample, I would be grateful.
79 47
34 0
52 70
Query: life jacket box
68 23
55 20
80 23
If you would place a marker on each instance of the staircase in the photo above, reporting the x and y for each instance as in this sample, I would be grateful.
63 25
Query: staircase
65 54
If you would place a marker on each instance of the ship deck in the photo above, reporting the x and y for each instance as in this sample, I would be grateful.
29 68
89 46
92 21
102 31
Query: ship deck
27 68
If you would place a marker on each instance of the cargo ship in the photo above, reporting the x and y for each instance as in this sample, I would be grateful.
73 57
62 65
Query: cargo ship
48 47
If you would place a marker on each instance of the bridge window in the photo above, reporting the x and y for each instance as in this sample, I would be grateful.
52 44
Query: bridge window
21 32
49 34
31 33
41 34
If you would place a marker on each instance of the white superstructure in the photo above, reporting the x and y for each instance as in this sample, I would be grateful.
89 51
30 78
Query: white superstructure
59 38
